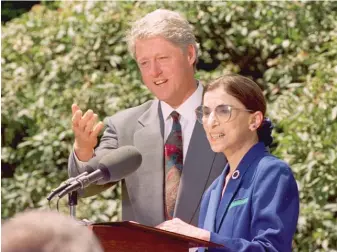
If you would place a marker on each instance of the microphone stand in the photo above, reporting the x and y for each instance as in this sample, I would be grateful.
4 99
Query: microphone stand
72 202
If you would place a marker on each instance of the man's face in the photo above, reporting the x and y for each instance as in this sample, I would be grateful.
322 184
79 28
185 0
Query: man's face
166 70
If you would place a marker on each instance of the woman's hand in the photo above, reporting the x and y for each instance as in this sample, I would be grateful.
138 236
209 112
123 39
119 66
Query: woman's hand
178 226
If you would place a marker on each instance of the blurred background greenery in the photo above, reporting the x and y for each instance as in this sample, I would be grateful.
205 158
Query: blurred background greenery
57 53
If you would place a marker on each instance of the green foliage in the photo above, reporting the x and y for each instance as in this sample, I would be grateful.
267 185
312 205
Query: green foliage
307 114
50 60
10 10
13 9
77 53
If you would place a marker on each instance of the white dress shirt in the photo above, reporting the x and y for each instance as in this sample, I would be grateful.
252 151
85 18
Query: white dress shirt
187 120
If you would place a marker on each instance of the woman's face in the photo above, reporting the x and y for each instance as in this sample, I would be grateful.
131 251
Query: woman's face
228 128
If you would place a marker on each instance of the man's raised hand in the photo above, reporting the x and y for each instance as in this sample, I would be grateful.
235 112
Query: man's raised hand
86 130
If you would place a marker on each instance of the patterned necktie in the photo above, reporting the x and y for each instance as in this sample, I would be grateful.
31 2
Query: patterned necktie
173 164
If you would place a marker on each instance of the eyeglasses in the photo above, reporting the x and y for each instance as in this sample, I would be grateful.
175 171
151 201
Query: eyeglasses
223 113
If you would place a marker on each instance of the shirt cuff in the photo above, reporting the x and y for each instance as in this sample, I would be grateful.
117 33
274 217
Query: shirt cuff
80 164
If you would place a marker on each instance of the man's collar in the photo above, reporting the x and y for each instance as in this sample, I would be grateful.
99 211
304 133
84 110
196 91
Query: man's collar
186 109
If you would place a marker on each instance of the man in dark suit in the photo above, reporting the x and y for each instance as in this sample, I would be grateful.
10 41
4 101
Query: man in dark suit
178 164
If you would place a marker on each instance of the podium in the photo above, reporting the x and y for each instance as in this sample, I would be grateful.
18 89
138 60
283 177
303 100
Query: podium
128 236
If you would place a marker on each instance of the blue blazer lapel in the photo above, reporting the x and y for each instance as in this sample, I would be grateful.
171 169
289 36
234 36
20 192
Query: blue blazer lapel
214 203
234 184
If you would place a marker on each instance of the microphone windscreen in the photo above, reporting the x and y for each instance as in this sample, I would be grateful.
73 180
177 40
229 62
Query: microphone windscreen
120 163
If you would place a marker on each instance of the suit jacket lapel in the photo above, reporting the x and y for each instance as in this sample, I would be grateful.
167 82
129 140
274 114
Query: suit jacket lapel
234 184
196 170
213 204
149 141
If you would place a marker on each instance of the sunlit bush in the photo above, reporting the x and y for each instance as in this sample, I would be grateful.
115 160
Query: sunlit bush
52 58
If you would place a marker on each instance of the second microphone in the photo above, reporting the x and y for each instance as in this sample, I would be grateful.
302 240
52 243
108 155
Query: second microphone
112 167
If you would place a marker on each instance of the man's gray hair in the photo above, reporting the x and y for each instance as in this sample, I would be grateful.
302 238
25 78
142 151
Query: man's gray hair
164 23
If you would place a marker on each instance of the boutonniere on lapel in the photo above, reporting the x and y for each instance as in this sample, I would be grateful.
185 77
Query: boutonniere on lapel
238 202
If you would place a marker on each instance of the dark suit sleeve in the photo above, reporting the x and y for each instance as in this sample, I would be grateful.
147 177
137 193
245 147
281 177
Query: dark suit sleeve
275 210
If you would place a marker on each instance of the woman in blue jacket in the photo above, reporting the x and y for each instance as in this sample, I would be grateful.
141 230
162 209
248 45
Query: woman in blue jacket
254 204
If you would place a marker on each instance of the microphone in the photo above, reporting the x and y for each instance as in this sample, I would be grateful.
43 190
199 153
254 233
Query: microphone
90 167
112 167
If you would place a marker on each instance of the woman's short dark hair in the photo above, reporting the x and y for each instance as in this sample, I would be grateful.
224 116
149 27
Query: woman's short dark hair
243 89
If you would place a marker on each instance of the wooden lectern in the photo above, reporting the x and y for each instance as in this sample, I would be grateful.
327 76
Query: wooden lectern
133 237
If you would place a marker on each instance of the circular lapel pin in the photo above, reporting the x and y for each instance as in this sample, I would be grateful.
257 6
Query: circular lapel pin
235 174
